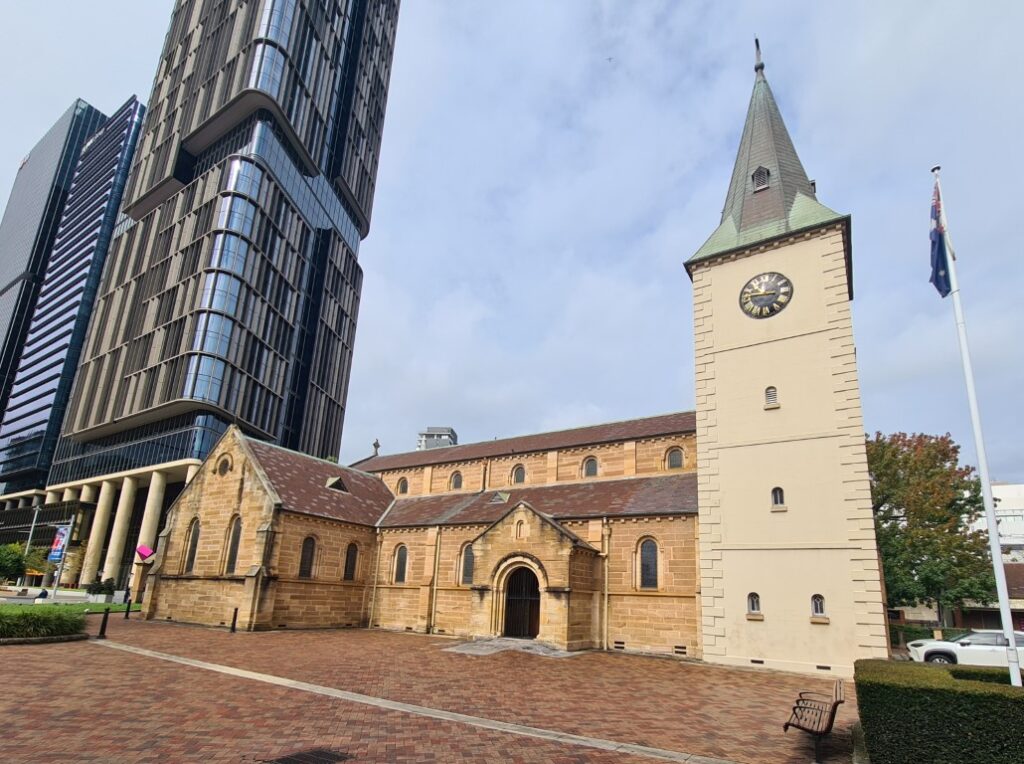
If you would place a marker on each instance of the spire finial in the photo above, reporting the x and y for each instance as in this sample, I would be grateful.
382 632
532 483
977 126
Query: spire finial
758 63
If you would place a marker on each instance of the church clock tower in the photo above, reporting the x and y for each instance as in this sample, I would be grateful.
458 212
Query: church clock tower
790 575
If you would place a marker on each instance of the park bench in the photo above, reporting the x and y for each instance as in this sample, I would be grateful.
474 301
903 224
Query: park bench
815 713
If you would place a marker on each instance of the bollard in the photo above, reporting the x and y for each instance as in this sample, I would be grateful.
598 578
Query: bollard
103 624
234 621
128 608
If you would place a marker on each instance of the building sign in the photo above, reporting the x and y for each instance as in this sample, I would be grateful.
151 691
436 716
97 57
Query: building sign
60 541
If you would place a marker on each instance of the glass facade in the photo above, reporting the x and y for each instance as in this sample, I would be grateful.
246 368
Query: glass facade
49 359
233 296
29 227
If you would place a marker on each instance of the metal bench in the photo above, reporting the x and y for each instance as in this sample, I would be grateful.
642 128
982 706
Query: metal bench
815 713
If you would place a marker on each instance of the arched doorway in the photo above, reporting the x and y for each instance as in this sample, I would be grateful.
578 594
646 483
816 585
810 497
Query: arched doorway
522 604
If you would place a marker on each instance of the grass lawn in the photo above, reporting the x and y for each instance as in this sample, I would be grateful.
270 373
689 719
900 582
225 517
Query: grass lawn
71 607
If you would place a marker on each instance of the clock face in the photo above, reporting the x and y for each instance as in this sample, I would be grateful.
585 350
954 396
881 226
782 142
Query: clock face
765 295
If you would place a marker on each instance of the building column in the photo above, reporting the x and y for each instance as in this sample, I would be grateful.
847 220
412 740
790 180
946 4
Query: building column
193 470
119 534
52 497
98 532
150 523
24 501
88 494
70 494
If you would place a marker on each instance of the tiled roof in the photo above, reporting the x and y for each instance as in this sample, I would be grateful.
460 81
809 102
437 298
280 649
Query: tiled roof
1015 579
631 429
788 204
301 482
663 494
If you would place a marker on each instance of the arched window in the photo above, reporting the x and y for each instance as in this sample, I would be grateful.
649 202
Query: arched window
306 559
351 558
520 528
519 474
403 485
754 603
455 482
590 467
649 564
674 459
817 605
401 557
467 565
192 545
778 497
771 396
234 536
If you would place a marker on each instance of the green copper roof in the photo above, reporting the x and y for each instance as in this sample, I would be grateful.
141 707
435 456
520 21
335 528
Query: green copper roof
786 204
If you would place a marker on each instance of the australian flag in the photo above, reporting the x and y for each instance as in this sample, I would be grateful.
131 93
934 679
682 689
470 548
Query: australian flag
940 263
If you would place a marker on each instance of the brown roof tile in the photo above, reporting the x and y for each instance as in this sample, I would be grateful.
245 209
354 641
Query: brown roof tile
631 429
301 482
663 494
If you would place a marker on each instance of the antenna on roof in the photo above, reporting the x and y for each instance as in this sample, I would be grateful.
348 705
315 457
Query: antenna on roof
758 63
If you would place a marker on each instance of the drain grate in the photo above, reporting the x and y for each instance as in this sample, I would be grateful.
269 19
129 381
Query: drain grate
314 756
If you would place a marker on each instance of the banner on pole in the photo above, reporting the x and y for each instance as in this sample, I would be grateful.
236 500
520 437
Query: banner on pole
60 541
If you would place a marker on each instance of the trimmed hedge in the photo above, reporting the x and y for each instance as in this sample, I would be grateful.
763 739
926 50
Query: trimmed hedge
33 622
916 712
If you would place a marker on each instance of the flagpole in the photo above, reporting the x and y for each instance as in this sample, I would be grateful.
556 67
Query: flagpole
979 445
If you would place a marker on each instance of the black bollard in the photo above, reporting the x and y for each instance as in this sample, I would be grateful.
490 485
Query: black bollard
103 624
234 621
127 608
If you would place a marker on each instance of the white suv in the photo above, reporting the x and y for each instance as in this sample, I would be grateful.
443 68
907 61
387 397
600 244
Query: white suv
979 647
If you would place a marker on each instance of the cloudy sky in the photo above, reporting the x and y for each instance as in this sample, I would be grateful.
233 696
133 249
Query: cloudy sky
547 167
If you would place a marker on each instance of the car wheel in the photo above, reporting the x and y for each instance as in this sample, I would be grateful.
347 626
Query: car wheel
940 658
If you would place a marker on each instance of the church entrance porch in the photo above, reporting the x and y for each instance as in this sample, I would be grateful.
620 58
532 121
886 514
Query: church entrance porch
522 604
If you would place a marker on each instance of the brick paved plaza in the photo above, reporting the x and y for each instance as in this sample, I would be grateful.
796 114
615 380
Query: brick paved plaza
90 701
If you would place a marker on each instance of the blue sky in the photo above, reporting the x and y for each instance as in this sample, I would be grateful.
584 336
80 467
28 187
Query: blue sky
547 167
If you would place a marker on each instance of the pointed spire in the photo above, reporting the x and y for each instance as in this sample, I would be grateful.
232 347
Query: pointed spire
769 194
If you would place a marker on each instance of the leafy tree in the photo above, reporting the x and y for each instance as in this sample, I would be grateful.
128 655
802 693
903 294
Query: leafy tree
924 503
12 561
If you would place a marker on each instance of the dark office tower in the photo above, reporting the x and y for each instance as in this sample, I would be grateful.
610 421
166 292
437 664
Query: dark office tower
30 224
49 359
232 295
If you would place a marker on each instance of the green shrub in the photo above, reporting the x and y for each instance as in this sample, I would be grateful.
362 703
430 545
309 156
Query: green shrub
915 712
32 622
980 674
910 632
106 586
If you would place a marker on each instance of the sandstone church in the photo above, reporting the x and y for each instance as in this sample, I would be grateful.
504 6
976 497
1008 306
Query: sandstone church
739 533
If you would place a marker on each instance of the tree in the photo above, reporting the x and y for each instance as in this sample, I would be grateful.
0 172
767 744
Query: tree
924 503
12 562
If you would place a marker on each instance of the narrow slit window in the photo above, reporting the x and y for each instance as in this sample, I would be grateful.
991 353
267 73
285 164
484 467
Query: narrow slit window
306 559
778 497
754 603
649 564
401 557
193 546
467 565
234 536
351 558
818 606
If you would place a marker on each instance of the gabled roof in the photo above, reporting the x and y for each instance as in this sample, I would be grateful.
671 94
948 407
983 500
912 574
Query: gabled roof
301 481
788 204
662 494
546 519
631 429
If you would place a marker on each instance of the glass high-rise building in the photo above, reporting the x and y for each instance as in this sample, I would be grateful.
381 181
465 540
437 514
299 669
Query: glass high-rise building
230 294
29 226
46 368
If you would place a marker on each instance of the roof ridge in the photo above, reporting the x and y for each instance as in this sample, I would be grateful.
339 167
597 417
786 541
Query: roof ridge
441 449
304 455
